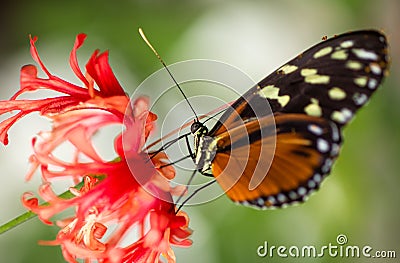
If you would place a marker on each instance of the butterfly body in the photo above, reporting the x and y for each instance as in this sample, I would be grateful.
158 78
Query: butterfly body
205 153
274 157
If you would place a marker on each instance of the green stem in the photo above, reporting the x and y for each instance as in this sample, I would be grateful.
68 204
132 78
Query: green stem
29 214
16 221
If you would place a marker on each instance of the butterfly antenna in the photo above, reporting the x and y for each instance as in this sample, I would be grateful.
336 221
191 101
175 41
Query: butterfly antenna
165 66
214 115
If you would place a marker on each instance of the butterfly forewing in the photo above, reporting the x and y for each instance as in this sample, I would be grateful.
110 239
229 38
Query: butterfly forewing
330 80
333 79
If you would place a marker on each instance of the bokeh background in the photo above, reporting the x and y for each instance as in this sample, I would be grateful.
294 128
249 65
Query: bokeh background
361 197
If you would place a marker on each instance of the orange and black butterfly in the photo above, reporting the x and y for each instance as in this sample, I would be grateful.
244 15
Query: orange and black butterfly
278 141
273 158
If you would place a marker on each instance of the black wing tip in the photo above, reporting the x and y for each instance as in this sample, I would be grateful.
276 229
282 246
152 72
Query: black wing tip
370 31
379 33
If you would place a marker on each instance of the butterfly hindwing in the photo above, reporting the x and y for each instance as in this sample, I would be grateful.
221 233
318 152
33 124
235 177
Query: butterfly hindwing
306 147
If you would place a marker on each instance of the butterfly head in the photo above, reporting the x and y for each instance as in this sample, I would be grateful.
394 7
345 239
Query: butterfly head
198 129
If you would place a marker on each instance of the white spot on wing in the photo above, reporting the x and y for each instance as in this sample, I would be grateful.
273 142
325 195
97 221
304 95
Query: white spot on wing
336 93
271 200
355 65
302 191
375 68
308 72
322 145
335 132
312 77
335 149
361 81
317 178
311 184
282 198
272 92
365 54
317 79
286 69
245 203
315 129
347 44
372 83
327 165
360 98
342 116
293 195
313 109
340 55
348 114
323 52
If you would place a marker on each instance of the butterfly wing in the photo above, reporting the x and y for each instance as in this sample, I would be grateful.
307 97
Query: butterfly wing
330 80
310 98
305 149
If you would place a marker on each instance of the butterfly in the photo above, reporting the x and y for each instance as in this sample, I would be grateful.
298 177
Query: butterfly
277 142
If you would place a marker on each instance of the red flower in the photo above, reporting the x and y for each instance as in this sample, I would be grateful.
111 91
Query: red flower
115 205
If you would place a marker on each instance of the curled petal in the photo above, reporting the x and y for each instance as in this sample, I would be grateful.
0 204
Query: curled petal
35 55
99 69
73 61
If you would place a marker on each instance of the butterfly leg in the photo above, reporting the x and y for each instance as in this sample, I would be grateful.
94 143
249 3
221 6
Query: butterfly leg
208 173
169 144
174 162
194 193
189 148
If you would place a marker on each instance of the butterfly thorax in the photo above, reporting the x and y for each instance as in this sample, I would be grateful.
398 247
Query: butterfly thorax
205 148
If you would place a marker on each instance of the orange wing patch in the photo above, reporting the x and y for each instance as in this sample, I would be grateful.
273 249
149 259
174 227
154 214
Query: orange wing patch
303 151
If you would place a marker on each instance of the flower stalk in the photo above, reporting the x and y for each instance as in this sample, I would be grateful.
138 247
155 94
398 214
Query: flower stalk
19 220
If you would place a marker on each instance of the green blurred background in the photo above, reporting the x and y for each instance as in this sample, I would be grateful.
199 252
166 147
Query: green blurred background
360 199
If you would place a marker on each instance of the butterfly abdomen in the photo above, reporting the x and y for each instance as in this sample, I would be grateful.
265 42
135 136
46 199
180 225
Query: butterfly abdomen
205 153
